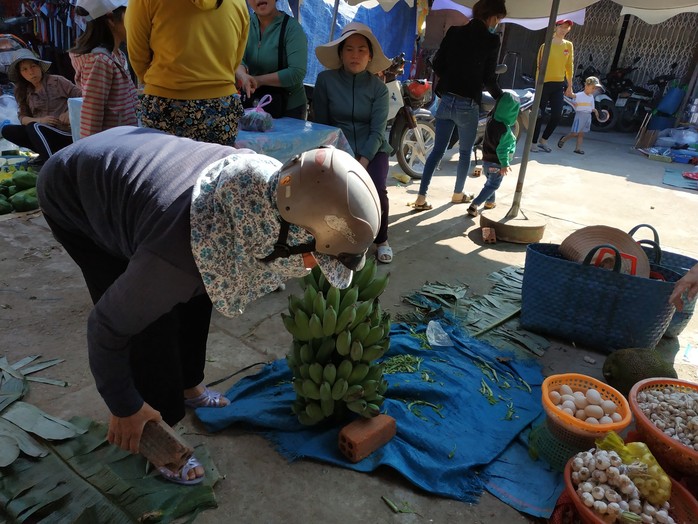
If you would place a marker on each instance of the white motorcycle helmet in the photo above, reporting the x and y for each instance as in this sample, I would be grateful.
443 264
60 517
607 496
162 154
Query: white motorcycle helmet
329 194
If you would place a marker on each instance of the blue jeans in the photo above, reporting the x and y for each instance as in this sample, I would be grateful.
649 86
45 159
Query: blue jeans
453 111
494 180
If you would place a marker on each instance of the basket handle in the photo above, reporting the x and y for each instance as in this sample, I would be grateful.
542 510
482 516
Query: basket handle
654 231
656 250
593 250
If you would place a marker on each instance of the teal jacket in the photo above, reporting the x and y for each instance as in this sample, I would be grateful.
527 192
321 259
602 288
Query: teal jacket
499 143
358 105
262 55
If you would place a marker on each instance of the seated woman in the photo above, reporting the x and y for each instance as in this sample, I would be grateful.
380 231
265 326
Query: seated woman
265 71
351 97
43 106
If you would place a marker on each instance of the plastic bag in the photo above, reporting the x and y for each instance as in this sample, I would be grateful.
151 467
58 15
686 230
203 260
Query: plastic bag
436 336
9 110
256 118
650 479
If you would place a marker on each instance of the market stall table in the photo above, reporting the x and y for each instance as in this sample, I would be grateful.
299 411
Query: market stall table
289 137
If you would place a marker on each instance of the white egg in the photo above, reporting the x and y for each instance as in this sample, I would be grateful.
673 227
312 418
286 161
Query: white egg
568 411
580 414
555 397
593 397
593 411
567 397
568 404
605 420
565 390
616 417
609 407
591 420
580 400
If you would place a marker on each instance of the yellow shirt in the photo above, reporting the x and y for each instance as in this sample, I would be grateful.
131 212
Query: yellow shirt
560 62
187 49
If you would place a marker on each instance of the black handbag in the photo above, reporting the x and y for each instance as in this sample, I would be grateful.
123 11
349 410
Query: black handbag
279 95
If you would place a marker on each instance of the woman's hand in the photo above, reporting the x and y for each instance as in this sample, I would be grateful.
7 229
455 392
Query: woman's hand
568 92
246 82
49 120
125 432
687 284
364 162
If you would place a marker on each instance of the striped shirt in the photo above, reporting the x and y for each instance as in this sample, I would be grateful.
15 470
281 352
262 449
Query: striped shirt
109 96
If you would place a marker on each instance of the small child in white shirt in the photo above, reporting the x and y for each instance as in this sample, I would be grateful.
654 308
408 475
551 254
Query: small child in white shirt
584 108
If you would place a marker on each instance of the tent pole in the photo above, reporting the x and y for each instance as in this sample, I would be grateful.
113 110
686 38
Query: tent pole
334 19
516 204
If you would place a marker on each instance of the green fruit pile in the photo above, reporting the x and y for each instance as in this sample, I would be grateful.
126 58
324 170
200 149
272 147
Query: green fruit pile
337 337
18 191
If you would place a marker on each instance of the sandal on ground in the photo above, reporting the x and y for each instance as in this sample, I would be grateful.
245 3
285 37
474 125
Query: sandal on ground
182 476
462 198
545 147
208 399
424 206
384 254
472 211
561 142
490 205
535 148
579 151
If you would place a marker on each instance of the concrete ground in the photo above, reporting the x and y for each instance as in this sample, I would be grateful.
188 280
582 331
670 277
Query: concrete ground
43 306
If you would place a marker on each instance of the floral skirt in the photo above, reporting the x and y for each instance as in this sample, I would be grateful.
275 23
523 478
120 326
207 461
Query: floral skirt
213 120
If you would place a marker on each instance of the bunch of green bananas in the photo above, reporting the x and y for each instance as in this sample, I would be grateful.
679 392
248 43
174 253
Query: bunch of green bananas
337 337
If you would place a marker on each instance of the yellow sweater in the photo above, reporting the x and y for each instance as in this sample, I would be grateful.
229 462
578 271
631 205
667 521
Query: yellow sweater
186 49
560 62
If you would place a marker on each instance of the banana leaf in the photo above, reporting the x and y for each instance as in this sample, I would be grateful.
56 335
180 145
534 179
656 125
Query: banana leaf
33 420
85 479
12 387
9 450
24 441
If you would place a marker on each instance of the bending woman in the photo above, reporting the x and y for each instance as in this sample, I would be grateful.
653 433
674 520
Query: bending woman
101 68
351 97
261 72
43 106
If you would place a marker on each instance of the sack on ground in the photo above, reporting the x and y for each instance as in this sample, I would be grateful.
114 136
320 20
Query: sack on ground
256 118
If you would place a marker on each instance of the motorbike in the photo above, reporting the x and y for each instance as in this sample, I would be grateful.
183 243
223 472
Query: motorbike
414 144
616 80
637 102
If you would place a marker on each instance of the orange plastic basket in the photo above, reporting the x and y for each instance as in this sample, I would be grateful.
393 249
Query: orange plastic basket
673 453
683 507
572 430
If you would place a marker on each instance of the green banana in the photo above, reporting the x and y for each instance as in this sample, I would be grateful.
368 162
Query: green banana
304 419
325 391
357 406
358 374
375 399
375 288
310 281
308 298
370 388
357 350
307 356
366 275
372 410
314 411
304 371
345 319
353 393
372 353
291 361
315 371
315 326
333 298
329 321
329 373
290 325
311 389
360 332
319 304
294 303
344 343
323 283
344 369
325 350
377 313
382 387
374 335
302 320
298 406
298 387
375 372
363 310
339 389
386 324
327 406
348 299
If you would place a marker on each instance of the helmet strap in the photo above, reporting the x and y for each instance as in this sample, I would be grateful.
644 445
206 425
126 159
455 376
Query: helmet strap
283 250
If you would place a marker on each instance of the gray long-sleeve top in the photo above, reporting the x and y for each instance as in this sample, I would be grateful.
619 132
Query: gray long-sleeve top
129 190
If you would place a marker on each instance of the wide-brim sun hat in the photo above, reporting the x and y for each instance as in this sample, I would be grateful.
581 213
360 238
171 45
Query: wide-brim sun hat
97 8
329 57
20 55
577 245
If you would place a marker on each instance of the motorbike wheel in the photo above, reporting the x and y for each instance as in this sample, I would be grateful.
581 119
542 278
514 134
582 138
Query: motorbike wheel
626 121
409 155
605 105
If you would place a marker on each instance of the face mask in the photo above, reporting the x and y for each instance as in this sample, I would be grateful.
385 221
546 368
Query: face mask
492 30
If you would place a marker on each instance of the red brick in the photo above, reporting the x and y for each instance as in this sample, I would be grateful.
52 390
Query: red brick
362 437
488 235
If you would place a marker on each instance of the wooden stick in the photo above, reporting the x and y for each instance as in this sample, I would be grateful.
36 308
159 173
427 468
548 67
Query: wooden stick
163 447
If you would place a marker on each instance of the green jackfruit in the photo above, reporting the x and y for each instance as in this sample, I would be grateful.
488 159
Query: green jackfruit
622 369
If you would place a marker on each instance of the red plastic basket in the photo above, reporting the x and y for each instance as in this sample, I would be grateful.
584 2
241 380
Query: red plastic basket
666 450
684 508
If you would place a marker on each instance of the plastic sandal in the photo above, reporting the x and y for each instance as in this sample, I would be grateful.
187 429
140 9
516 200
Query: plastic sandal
462 198
561 142
182 476
472 211
426 206
384 254
579 151
490 205
208 399
544 147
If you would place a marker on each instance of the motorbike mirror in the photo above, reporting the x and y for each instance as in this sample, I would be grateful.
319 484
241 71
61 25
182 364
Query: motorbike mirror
500 69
